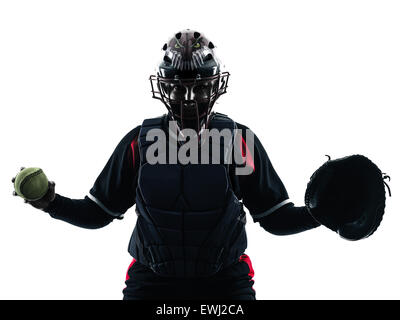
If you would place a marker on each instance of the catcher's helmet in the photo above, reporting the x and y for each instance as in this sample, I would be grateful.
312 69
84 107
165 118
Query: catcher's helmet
189 79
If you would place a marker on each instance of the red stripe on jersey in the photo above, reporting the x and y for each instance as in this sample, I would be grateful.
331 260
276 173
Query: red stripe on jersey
133 147
247 155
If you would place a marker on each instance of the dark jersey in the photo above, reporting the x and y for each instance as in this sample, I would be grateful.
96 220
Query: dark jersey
262 191
113 193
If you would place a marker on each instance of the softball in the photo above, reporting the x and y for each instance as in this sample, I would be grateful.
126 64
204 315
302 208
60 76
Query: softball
31 184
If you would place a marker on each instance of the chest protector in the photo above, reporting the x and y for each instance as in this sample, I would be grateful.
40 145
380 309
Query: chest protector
190 222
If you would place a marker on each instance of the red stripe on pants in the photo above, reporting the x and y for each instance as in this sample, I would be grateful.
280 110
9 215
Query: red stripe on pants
127 275
245 258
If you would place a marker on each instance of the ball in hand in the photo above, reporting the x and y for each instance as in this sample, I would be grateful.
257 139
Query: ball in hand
31 184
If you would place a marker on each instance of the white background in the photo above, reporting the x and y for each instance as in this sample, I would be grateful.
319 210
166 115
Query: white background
309 77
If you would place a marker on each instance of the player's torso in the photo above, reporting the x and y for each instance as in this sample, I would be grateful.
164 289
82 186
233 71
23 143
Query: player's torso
190 222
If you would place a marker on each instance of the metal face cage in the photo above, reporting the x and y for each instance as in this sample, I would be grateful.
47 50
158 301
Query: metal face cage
189 100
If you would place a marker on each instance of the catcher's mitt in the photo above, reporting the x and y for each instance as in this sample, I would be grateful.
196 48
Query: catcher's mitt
347 195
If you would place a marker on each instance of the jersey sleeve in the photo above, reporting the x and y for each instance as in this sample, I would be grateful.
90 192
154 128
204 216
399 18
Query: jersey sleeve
115 188
262 190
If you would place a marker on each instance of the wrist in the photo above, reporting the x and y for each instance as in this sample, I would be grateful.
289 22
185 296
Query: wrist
52 205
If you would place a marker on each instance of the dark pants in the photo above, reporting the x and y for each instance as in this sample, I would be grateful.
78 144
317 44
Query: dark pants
232 283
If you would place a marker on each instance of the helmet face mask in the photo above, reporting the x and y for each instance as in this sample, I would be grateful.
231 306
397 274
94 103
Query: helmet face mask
189 101
189 80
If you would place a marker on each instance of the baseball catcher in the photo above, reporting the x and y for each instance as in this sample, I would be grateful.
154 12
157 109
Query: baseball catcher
190 189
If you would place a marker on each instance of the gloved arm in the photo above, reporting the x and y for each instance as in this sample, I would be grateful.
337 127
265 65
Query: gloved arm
79 212
265 196
288 220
